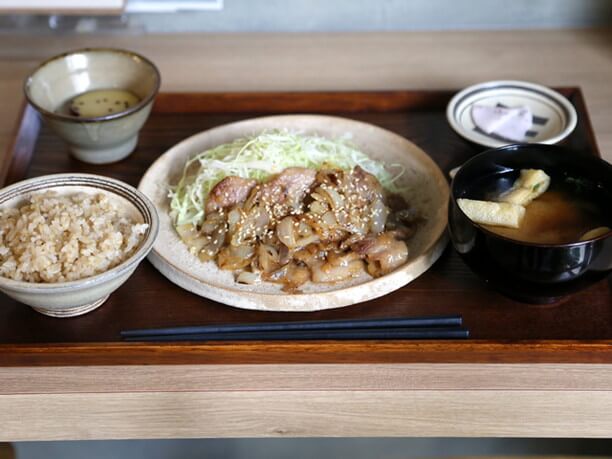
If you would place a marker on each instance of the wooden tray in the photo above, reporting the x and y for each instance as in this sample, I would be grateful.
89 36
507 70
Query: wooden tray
579 329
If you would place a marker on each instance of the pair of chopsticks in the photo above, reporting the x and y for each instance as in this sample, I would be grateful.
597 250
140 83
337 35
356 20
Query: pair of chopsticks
441 327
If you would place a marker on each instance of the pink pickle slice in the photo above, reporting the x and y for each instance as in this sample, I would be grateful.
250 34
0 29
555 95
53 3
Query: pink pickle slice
509 123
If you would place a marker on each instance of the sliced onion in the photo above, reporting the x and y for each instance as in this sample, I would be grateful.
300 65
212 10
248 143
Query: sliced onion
261 220
341 259
297 275
357 225
206 255
380 212
326 272
277 275
304 229
333 197
268 258
248 277
233 219
187 232
350 240
291 275
250 227
316 196
285 230
329 219
309 255
307 240
231 258
209 226
212 247
197 244
284 255
317 207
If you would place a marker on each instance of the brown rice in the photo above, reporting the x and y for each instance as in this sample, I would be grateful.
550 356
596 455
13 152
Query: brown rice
54 238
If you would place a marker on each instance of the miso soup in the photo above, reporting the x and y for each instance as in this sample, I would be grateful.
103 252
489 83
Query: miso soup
561 215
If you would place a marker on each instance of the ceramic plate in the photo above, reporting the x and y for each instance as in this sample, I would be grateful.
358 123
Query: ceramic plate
554 117
429 194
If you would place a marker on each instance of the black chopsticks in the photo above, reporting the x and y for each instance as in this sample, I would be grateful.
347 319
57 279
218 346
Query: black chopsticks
350 334
441 327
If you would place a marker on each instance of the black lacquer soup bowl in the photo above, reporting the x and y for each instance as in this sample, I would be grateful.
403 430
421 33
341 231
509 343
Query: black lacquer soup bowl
527 271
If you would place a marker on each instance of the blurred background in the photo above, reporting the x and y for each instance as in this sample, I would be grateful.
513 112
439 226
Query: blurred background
140 17
180 16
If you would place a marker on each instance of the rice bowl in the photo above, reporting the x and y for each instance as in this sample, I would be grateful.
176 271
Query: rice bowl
100 248
54 238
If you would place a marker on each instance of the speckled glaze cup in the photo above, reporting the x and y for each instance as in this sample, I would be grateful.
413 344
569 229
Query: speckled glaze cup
103 139
74 298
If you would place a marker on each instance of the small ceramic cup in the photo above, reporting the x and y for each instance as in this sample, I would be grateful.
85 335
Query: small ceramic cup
73 298
103 139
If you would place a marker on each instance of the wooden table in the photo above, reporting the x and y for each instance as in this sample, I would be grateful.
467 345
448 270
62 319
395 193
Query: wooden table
241 398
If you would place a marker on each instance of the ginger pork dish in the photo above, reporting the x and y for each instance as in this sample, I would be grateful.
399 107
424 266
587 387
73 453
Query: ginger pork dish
289 209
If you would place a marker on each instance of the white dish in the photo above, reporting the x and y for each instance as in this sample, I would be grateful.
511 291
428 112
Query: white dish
554 117
430 193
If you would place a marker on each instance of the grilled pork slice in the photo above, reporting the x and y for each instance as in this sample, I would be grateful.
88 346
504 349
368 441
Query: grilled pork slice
228 192
383 253
287 189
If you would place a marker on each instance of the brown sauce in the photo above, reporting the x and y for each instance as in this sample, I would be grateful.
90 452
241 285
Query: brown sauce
556 217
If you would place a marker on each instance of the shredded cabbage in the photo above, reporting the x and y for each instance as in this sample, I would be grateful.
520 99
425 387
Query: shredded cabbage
261 156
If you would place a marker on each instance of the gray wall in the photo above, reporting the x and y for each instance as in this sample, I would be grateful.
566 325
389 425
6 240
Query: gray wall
367 15
336 15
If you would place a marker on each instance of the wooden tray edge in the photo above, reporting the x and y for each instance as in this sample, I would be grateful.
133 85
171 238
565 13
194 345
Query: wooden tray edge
303 352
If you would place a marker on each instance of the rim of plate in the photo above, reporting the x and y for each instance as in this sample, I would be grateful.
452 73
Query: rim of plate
554 96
